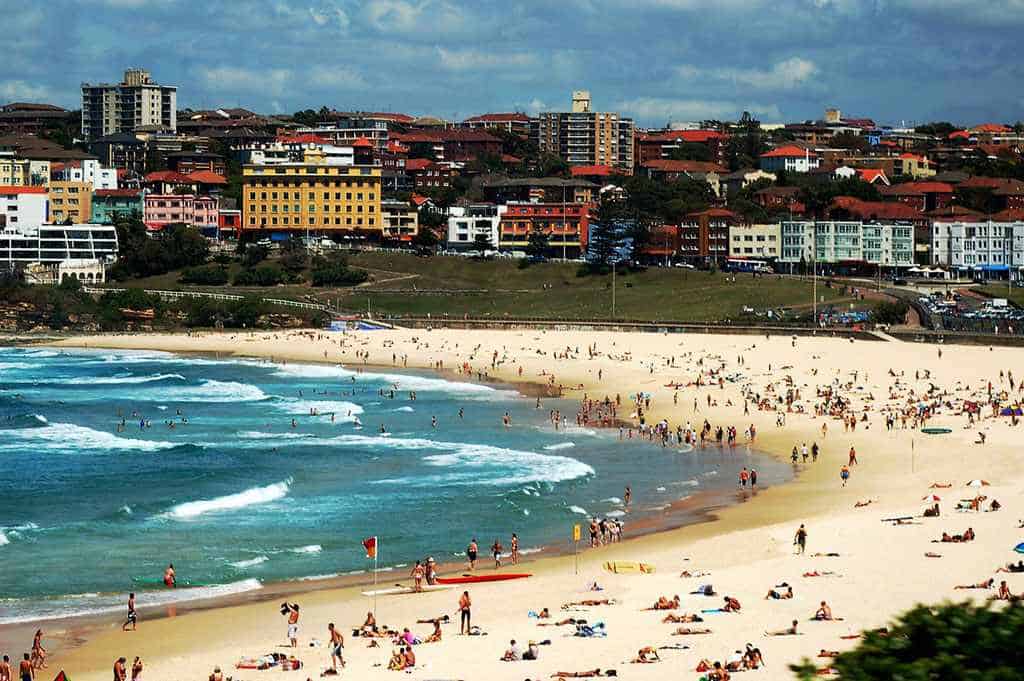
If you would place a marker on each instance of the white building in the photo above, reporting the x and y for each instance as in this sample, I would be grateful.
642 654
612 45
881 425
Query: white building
791 158
991 247
57 243
465 222
134 103
85 271
23 206
754 242
847 243
87 170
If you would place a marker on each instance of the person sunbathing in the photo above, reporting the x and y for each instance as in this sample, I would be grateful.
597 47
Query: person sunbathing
543 614
397 662
672 618
1010 567
823 573
938 485
932 512
1003 594
968 535
582 675
561 623
699 573
434 620
831 554
823 613
788 631
435 636
731 605
646 655
994 506
704 590
665 603
370 625
688 631
772 593
589 602
987 584
862 504
409 657
828 653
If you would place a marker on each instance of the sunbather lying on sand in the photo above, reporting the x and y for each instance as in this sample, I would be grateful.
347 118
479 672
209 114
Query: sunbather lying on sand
672 618
699 573
1010 567
583 675
940 485
831 554
434 620
589 602
823 573
269 661
862 504
828 653
687 631
646 655
665 603
789 631
772 593
987 584
561 623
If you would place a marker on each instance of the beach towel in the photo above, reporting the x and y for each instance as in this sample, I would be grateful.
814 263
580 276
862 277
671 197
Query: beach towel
626 567
591 631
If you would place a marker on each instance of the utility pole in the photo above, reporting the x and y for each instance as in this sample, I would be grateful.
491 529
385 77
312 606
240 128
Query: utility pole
613 287
814 270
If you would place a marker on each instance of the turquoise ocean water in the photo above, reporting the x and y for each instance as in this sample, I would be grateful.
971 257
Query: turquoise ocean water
236 497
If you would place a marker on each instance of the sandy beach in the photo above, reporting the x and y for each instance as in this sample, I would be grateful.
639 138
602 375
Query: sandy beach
881 568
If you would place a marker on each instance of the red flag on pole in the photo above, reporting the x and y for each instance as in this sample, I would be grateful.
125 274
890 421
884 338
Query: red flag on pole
370 544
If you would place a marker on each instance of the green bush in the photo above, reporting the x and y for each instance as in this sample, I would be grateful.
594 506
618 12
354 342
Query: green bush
207 275
894 312
264 275
334 271
952 641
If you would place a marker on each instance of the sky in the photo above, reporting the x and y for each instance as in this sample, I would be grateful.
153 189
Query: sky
897 61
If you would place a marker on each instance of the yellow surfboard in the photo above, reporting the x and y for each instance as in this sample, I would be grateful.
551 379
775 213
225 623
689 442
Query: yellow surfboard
628 567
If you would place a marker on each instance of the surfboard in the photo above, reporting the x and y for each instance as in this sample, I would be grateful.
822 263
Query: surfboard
626 567
397 590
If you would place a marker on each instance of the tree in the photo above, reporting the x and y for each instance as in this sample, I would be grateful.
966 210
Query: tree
951 641
254 254
422 150
294 257
691 151
847 140
537 242
482 242
938 129
334 271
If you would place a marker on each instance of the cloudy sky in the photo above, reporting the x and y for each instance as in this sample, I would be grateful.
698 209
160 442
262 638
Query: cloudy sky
657 60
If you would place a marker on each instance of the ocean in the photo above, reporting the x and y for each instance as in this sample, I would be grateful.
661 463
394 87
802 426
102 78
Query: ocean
237 497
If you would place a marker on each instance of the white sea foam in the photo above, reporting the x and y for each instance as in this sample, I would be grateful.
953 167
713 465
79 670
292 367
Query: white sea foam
126 509
404 409
425 384
214 391
560 445
312 548
14 366
311 371
261 435
42 353
316 578
81 605
577 509
615 514
510 466
4 541
532 549
250 497
40 418
115 380
689 483
708 474
343 411
252 562
526 511
613 500
71 437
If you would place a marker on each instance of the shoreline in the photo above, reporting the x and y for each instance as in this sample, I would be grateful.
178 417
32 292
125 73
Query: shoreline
693 509
746 545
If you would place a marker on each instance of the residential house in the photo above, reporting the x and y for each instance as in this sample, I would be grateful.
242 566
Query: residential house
465 223
924 196
427 174
188 162
780 199
914 166
667 170
70 202
86 170
452 144
734 182
22 206
110 205
401 220
655 145
790 158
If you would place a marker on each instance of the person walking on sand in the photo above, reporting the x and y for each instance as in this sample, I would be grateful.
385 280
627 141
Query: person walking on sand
465 606
800 539
844 474
627 496
417 577
496 549
293 623
133 617
514 548
120 673
471 552
853 456
337 646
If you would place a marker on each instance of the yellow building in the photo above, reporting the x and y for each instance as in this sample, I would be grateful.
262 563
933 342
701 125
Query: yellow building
912 165
22 172
311 196
70 201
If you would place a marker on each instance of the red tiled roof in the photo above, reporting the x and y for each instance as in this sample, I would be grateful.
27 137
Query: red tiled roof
13 189
712 213
362 142
875 210
418 164
207 177
670 166
694 136
308 138
917 188
444 135
169 176
887 143
391 116
510 159
420 200
499 118
1009 215
954 212
584 171
396 147
789 151
960 135
991 127
911 157
118 192
869 175
775 190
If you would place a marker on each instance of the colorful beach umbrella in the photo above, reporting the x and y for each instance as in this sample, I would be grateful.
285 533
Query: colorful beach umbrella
1019 548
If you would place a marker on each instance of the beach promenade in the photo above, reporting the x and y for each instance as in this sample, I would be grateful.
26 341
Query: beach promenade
879 570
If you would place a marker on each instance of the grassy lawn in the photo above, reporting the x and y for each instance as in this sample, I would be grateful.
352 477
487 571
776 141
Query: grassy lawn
408 285
1015 295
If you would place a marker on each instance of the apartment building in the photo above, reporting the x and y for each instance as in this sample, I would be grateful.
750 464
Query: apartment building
567 226
22 172
161 210
23 206
86 170
514 122
704 235
586 138
70 202
400 220
754 242
133 103
311 197
110 205
41 243
847 246
466 222
983 246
